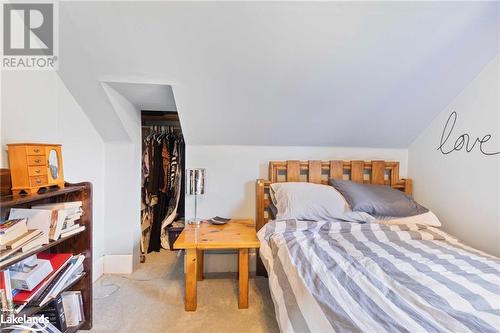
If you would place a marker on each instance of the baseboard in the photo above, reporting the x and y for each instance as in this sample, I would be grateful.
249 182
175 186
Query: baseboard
112 264
98 269
118 264
214 263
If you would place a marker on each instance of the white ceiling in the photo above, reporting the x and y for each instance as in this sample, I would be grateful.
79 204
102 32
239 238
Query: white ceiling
145 96
281 73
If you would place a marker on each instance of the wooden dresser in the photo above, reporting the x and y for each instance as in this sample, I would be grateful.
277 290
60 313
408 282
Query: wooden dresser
34 166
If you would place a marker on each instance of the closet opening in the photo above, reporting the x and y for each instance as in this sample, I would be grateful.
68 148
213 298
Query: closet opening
163 180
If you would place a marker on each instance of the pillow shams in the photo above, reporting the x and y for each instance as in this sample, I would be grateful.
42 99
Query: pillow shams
378 200
308 201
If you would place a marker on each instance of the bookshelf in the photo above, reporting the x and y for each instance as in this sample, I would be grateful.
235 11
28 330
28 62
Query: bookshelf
78 243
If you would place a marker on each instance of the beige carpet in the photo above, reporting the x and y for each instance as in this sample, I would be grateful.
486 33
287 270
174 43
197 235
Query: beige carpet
152 300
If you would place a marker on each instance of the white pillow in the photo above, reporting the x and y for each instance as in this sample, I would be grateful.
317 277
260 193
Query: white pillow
426 218
308 201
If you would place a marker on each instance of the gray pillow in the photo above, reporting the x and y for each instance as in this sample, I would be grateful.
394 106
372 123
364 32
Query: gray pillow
377 200
273 211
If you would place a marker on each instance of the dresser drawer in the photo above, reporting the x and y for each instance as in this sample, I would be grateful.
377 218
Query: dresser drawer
37 170
35 150
38 181
36 160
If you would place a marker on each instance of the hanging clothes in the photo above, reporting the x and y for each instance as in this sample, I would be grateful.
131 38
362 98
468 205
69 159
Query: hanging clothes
162 173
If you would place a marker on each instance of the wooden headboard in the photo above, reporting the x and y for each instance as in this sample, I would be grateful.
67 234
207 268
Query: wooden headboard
320 172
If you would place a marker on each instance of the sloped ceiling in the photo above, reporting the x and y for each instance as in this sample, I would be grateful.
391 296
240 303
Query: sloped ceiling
282 73
150 97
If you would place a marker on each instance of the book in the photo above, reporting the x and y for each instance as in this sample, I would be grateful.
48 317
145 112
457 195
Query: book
38 241
42 297
73 307
58 262
5 286
72 209
6 255
50 222
73 231
3 297
28 261
28 276
21 240
80 303
70 228
60 205
8 225
75 277
69 222
12 254
54 311
57 285
12 229
75 216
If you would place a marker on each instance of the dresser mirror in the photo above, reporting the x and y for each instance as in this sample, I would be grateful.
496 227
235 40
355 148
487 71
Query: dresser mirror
53 164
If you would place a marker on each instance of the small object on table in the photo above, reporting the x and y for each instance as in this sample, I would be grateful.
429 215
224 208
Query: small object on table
218 220
239 235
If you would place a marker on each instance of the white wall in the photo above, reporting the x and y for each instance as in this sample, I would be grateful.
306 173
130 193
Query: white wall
37 107
123 186
462 188
122 211
233 170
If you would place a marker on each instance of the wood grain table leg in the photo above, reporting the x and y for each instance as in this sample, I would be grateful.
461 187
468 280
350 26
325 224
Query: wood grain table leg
243 278
191 279
199 269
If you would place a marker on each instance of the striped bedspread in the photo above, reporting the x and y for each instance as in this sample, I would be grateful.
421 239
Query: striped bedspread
349 277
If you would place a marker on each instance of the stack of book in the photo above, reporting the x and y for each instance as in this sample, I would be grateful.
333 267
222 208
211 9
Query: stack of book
15 236
55 313
73 307
71 210
39 279
28 228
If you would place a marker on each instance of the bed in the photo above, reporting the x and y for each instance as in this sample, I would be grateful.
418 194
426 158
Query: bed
334 276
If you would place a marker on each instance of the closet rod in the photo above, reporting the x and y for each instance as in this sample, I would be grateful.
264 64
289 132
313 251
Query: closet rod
148 123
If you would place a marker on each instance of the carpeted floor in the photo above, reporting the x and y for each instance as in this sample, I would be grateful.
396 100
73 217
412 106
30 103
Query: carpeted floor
152 301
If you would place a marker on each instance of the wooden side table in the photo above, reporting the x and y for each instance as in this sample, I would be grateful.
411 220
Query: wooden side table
195 239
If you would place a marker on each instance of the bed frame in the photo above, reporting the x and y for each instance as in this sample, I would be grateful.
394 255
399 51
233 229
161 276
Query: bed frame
319 172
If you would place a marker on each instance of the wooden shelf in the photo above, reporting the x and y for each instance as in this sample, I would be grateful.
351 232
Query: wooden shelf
8 262
11 200
80 243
